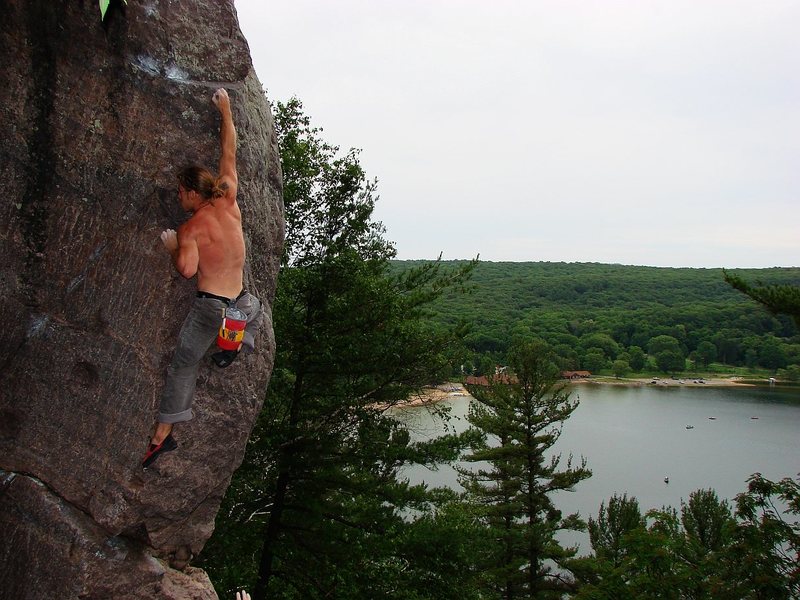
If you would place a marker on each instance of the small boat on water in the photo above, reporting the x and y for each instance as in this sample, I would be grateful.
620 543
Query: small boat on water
690 427
712 418
666 479
754 418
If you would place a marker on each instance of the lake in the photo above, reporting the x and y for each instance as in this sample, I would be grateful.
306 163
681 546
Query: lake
634 437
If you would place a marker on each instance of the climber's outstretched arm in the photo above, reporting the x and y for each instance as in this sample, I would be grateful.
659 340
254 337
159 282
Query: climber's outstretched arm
227 138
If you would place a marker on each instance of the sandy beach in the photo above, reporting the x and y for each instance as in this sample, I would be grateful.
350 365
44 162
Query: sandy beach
431 395
448 390
681 382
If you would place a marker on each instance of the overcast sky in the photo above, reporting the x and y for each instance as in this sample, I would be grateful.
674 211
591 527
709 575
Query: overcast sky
662 133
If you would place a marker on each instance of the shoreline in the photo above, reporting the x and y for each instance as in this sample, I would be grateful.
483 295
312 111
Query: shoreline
432 395
449 390
734 380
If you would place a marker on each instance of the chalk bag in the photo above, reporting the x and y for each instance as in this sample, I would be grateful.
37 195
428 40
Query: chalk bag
231 333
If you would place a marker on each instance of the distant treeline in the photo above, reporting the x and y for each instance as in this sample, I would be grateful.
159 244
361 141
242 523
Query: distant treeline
618 318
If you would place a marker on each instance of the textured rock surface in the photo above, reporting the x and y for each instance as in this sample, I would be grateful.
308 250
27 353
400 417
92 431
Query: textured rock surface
52 550
96 120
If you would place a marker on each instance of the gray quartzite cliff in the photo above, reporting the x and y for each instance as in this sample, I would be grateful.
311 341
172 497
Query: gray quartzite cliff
97 117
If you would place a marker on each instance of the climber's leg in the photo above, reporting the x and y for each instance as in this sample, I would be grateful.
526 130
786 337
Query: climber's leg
197 333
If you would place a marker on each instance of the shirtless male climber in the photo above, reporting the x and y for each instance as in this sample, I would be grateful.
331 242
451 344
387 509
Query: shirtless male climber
210 245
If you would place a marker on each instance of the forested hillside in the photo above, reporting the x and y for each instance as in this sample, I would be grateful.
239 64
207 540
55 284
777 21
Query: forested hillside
597 314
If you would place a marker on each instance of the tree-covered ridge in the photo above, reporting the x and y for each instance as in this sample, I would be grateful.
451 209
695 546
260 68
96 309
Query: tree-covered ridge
571 304
522 285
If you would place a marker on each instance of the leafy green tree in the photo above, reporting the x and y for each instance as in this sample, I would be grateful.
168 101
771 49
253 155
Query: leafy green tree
524 416
709 552
631 560
602 341
594 360
657 568
706 353
763 557
620 368
729 345
318 507
792 352
567 358
485 365
644 561
638 359
662 343
771 354
670 361
751 358
791 373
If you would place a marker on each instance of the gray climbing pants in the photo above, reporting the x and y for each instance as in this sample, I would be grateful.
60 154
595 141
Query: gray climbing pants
198 332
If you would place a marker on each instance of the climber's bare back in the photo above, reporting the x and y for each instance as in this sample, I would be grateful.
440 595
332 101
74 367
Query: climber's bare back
215 229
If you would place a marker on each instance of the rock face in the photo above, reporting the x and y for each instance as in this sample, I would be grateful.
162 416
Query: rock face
97 118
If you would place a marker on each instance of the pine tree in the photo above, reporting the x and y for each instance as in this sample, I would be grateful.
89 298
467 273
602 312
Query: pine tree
614 522
514 480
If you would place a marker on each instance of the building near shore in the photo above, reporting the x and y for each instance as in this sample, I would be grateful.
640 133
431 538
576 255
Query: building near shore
575 374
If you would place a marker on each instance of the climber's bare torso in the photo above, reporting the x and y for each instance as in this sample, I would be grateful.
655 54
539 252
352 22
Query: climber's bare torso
212 245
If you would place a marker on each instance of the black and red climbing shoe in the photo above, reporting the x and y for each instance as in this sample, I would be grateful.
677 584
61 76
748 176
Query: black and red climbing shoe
155 450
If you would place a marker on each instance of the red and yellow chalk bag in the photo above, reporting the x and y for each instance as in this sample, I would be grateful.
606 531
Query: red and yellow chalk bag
231 333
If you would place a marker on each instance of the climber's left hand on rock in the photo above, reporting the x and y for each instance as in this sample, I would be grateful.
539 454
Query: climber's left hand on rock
170 239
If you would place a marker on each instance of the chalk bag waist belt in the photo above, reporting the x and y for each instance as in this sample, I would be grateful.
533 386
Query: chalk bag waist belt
229 301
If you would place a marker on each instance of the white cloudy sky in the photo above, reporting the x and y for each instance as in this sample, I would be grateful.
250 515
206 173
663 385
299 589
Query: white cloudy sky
661 133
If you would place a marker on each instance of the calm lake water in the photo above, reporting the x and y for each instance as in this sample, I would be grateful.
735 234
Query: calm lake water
634 437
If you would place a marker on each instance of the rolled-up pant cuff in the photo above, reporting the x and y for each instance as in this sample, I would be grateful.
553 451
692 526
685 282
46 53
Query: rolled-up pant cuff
184 415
